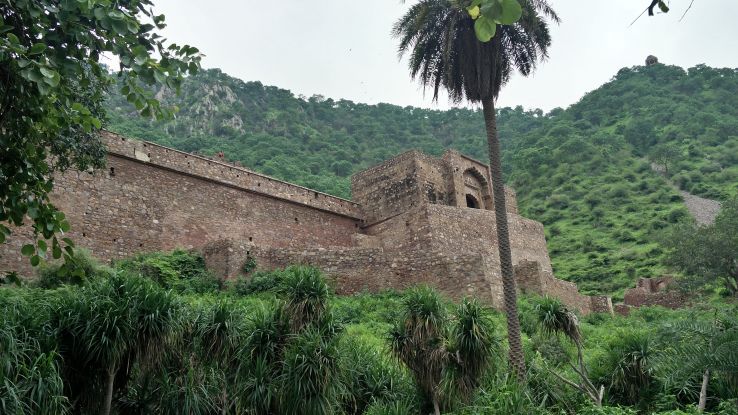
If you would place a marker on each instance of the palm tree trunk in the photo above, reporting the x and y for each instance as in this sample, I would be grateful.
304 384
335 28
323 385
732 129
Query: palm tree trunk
703 391
107 404
517 359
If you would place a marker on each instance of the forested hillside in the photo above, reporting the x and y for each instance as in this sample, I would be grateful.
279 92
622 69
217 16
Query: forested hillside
584 171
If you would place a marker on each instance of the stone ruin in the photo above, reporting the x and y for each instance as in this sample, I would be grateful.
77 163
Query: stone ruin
414 219
661 291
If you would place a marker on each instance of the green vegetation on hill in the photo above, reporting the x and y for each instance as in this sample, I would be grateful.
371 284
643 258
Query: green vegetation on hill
583 171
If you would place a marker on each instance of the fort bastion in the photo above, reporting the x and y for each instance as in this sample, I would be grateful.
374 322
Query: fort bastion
414 219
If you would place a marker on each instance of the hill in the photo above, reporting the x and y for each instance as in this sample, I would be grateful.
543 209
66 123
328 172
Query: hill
584 171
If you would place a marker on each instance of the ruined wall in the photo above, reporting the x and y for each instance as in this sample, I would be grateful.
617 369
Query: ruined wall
434 180
473 230
460 163
228 174
660 291
163 199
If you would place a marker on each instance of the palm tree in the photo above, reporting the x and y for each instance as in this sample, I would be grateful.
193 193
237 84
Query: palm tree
632 380
289 363
306 294
555 319
446 357
703 349
104 329
444 52
418 340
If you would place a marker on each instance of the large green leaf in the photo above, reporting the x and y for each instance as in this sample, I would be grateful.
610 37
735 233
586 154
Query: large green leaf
36 49
28 250
492 9
511 12
484 28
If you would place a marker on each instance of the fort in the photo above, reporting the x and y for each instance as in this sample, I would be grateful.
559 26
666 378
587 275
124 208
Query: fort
414 219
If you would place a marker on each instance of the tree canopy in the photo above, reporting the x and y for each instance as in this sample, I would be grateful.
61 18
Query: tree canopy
708 253
53 84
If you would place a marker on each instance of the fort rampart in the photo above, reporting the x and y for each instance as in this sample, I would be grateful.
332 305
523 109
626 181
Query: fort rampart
414 219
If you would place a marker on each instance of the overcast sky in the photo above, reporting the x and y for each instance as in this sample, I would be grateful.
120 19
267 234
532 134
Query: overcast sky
343 48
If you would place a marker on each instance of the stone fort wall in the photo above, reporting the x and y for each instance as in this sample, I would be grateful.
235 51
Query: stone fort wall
410 222
153 198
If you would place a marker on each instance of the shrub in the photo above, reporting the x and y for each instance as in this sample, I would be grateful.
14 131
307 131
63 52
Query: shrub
629 361
179 270
306 295
259 282
82 268
30 367
619 191
728 407
503 395
606 410
248 265
676 215
309 373
369 376
558 201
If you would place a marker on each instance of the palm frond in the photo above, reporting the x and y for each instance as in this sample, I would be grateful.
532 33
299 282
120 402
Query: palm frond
555 318
438 38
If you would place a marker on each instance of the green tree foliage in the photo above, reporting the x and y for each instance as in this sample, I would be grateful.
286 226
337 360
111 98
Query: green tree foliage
82 270
180 270
52 88
664 155
708 253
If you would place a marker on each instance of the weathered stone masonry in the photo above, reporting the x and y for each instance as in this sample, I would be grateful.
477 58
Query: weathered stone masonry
414 219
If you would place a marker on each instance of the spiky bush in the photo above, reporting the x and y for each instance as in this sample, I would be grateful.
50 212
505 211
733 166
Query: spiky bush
473 342
555 318
104 328
30 372
369 376
310 373
258 282
418 340
446 355
632 378
306 295
402 407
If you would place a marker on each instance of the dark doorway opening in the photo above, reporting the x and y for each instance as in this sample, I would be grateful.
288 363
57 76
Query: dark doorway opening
472 202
